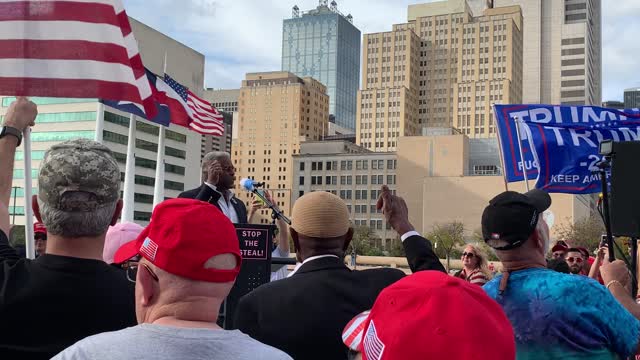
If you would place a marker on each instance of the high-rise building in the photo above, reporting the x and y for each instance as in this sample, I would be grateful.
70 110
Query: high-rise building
61 119
613 104
226 101
324 44
562 51
462 65
387 103
351 172
632 98
277 111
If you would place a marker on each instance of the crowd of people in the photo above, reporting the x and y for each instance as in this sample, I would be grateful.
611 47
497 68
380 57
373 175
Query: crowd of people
100 289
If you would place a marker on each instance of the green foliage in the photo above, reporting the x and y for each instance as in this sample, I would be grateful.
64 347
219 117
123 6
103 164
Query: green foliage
586 232
17 236
446 239
365 242
397 249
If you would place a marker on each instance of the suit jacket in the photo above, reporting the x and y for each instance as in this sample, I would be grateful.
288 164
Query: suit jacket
304 315
206 193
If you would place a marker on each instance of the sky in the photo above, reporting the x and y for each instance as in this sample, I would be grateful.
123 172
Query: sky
241 36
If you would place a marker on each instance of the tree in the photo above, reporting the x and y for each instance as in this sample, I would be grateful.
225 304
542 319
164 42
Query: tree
585 232
364 242
396 248
478 240
447 238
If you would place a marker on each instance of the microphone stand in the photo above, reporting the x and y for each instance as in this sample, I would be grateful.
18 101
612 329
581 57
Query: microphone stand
603 166
275 212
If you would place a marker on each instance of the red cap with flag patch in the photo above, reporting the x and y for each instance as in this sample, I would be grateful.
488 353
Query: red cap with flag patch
420 317
182 236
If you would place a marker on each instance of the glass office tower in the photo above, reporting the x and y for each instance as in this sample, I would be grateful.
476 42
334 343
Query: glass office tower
324 44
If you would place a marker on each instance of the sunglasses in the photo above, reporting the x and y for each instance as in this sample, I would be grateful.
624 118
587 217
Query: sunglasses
132 272
576 259
469 255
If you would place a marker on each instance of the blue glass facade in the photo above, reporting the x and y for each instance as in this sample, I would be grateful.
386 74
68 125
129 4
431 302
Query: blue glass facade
326 46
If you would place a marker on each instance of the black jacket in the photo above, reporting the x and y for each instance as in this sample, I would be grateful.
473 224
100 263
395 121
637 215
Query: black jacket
304 315
205 192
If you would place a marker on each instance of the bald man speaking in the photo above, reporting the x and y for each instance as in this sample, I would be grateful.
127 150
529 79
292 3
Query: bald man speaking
304 314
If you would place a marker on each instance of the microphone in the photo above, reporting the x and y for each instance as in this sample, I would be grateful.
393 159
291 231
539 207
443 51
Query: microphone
250 184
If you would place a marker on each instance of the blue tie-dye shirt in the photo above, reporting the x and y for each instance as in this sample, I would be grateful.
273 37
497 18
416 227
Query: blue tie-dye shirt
562 316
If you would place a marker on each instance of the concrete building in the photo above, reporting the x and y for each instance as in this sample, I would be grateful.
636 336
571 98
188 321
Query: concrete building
443 181
462 65
632 98
324 44
351 172
613 104
226 101
562 51
387 103
61 119
277 112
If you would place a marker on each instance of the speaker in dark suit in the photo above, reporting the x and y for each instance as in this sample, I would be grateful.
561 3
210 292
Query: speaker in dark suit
304 314
219 175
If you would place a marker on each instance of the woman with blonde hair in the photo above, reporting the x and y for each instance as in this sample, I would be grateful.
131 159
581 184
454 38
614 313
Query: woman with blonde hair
475 265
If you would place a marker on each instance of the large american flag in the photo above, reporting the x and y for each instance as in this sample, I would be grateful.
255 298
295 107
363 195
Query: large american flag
71 48
203 117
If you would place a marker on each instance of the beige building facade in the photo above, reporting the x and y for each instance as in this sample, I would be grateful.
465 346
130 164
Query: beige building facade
434 178
61 119
464 64
277 112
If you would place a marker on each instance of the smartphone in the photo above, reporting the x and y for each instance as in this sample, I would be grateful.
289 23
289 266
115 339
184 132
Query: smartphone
603 242
261 192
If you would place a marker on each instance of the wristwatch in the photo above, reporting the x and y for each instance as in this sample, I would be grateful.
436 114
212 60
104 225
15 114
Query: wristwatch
8 130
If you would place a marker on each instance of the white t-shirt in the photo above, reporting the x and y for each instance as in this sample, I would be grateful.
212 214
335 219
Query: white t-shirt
149 341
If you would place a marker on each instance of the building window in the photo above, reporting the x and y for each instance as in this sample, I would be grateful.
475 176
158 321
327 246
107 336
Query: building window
319 165
172 185
175 152
328 165
343 165
114 138
391 179
301 180
313 166
58 136
141 216
143 198
391 164
301 166
485 170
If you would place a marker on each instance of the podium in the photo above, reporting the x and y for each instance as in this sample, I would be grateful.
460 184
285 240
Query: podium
256 245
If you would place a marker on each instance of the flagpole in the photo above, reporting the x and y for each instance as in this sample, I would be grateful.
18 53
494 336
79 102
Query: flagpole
99 122
28 185
524 167
129 173
158 189
502 161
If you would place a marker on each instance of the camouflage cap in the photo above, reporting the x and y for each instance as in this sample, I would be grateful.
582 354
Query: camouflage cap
83 168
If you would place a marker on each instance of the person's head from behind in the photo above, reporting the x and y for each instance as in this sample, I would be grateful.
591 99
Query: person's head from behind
320 225
420 317
79 190
40 238
575 260
558 265
512 224
227 178
118 235
190 257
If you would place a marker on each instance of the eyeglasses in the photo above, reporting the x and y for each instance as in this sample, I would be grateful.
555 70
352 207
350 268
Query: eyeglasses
470 255
576 259
132 272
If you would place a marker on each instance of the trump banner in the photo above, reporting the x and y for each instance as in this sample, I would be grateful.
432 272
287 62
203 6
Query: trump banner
560 143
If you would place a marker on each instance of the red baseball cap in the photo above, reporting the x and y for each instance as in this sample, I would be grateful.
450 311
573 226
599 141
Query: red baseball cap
182 236
423 316
39 228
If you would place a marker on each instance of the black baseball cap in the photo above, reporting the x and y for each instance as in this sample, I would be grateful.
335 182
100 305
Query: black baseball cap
512 217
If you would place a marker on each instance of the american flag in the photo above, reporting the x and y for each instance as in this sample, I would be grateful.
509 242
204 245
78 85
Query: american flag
203 117
373 346
73 48
149 249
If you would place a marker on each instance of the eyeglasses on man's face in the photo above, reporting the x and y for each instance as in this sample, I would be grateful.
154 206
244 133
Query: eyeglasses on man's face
574 259
132 272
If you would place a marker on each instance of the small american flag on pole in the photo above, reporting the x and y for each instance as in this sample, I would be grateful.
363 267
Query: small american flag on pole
203 117
73 48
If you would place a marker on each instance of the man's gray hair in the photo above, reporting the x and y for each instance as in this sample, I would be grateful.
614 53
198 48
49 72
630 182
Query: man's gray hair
211 157
78 223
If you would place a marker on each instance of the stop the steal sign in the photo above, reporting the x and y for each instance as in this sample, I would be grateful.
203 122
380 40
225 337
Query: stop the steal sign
254 243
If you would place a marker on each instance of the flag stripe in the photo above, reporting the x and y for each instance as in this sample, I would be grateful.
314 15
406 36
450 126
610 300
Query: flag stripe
89 12
76 88
66 69
63 50
205 131
117 6
61 30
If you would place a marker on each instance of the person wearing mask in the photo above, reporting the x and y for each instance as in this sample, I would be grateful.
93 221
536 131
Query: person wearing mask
475 266
419 317
218 177
190 258
40 238
77 293
549 324
305 313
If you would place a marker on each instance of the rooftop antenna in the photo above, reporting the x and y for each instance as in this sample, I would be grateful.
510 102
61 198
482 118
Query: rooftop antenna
350 18
324 2
334 6
295 11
